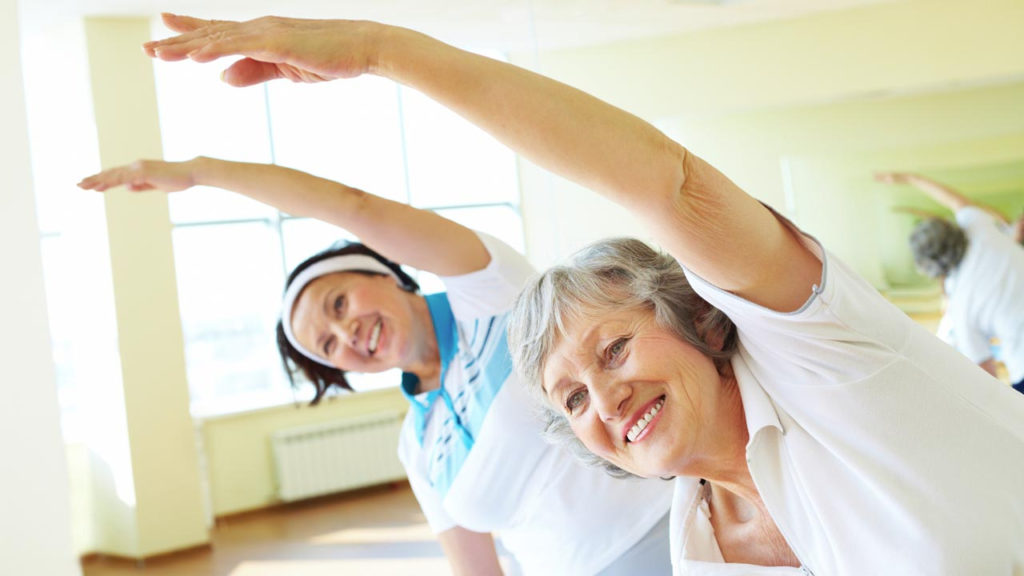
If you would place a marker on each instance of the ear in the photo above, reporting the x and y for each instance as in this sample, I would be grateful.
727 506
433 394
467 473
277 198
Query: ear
404 285
712 333
715 339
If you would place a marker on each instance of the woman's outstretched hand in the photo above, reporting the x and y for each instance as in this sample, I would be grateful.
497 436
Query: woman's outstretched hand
893 177
143 175
273 47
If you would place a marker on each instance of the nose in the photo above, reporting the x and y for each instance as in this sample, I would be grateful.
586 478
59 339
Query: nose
347 332
610 398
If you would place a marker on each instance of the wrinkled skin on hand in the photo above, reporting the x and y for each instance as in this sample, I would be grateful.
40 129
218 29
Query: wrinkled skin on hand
273 47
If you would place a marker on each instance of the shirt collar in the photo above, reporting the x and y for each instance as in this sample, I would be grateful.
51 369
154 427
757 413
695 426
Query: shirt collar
758 408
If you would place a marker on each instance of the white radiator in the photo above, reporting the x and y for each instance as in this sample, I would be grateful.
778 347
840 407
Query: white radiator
339 455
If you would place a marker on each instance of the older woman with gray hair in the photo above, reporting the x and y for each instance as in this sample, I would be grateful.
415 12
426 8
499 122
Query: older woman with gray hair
981 265
817 430
616 273
833 438
938 246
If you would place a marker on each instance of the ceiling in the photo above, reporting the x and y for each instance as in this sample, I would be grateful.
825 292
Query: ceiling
508 25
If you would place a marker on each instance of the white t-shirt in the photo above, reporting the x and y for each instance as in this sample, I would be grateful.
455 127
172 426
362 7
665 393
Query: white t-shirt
986 293
875 448
475 456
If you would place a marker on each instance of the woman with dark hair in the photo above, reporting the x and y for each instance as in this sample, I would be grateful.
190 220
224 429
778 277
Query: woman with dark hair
819 430
471 444
347 256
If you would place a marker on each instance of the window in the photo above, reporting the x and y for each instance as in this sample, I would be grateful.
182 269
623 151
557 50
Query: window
232 254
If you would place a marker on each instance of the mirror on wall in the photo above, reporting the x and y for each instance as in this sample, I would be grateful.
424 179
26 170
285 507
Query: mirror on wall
868 223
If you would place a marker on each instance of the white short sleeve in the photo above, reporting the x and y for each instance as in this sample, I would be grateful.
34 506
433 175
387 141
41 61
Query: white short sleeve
490 291
968 336
974 217
412 458
843 332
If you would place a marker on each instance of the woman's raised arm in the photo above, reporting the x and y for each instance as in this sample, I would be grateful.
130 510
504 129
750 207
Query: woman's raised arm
941 193
419 238
697 214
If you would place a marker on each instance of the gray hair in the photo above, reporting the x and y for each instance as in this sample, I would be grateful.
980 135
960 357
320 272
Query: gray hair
614 274
938 246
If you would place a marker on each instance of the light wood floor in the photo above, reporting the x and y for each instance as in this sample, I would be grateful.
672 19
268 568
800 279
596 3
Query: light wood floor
377 531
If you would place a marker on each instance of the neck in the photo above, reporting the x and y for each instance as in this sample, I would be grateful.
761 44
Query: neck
737 503
426 360
724 459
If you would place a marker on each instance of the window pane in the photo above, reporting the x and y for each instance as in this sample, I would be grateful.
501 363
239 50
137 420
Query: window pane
348 132
501 221
204 204
202 116
304 237
451 161
229 286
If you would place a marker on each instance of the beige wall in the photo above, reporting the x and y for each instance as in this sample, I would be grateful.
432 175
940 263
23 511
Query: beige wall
892 48
35 533
237 448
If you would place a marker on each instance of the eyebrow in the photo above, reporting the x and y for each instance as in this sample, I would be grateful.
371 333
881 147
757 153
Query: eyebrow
557 386
327 302
587 336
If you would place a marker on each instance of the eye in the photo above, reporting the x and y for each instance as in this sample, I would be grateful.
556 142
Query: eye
339 303
329 346
615 350
575 400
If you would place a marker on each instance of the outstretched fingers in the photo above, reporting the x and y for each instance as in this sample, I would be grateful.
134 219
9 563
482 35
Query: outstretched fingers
201 40
92 183
271 47
180 23
887 177
247 72
140 176
105 180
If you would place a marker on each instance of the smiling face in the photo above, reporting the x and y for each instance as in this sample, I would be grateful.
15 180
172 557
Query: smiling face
637 395
360 322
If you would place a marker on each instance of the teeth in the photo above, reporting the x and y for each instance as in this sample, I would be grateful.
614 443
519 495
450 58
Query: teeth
643 421
374 337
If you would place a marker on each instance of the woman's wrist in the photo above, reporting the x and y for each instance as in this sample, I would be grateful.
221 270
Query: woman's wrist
197 169
392 48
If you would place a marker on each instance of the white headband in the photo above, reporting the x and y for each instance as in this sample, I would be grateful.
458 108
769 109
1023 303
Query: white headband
343 263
